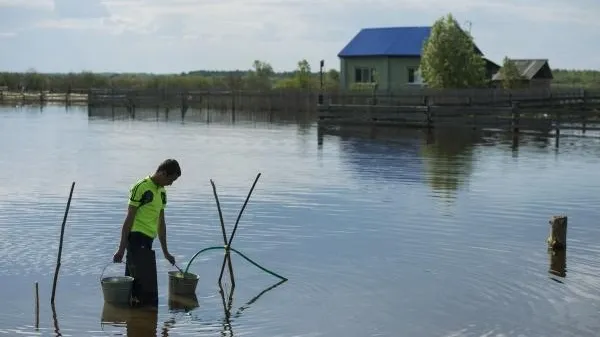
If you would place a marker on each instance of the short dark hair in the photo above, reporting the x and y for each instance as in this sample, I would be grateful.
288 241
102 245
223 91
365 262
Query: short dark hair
170 167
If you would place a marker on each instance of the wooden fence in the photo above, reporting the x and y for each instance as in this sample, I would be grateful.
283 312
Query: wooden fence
529 109
460 97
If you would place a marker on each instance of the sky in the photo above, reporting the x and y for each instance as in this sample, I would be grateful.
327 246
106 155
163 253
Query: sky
173 36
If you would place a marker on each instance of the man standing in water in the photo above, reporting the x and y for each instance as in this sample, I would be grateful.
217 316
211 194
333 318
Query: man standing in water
144 221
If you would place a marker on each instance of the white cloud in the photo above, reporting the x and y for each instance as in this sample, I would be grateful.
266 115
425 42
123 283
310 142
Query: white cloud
7 35
280 30
207 18
30 4
283 19
539 11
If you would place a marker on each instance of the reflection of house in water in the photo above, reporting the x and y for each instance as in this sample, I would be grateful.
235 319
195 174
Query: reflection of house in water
383 155
449 159
440 159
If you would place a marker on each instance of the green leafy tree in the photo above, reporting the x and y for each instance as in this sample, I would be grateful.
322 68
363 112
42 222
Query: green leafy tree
331 80
260 77
449 57
510 74
303 75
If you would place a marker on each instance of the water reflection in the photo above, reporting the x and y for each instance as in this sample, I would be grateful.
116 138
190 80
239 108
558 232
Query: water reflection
448 159
227 301
441 158
144 321
141 322
303 119
179 303
382 154
558 264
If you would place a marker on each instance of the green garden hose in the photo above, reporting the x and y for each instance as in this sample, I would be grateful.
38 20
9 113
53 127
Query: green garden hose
240 254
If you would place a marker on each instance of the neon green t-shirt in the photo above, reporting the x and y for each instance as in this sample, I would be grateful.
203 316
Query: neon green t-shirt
150 199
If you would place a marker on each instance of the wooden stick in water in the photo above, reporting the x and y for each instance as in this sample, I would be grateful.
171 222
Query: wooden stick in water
214 188
237 221
62 233
37 306
227 258
55 319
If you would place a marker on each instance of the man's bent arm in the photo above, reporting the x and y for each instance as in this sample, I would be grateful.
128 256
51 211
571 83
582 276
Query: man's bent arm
162 233
127 224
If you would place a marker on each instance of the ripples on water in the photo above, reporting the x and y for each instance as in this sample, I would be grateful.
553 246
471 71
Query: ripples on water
380 232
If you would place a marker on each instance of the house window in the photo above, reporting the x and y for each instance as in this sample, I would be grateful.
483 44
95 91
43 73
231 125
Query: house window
364 75
412 74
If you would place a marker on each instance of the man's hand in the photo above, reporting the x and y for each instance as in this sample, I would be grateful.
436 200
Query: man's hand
170 258
118 257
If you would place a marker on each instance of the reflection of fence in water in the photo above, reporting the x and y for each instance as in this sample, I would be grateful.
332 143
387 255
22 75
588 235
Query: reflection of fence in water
271 100
201 115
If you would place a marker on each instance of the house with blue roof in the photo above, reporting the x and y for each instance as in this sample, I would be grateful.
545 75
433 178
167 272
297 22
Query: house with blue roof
389 56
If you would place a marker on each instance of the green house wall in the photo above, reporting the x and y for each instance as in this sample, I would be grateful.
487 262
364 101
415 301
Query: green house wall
392 71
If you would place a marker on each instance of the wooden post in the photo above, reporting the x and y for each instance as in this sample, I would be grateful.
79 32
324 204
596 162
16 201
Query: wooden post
583 110
557 240
60 245
516 116
37 306
55 320
557 126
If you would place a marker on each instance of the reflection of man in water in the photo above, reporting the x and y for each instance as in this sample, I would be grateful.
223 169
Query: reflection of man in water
142 324
139 322
144 221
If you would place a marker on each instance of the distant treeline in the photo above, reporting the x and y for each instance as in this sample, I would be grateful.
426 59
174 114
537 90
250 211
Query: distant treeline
576 78
260 77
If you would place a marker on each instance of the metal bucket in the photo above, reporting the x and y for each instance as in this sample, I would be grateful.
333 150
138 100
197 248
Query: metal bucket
182 283
116 289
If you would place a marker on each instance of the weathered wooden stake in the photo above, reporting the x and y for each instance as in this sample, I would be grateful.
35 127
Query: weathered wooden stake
60 245
558 263
37 306
55 319
557 240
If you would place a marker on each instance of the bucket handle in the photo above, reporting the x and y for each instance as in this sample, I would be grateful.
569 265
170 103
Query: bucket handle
104 269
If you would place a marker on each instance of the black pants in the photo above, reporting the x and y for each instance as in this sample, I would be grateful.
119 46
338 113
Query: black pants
141 265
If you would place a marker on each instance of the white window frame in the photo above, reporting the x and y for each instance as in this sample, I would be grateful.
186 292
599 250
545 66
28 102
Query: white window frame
417 80
368 71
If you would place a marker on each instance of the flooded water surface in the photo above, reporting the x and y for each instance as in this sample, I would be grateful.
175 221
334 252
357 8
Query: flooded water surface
380 232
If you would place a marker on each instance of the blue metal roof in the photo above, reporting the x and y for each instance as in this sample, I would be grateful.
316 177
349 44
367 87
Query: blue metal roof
387 41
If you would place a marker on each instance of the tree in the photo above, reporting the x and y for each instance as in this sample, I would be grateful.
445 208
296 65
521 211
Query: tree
332 80
449 57
510 74
303 76
260 78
